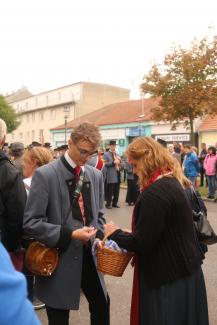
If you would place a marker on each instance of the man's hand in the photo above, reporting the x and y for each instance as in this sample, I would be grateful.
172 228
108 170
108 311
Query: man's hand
84 234
110 227
117 161
127 230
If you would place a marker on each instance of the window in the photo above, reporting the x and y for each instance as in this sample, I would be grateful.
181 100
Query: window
47 100
59 95
33 135
27 104
36 102
41 116
27 135
41 135
52 114
27 118
33 117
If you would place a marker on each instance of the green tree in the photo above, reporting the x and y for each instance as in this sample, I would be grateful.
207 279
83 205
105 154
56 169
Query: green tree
186 84
8 114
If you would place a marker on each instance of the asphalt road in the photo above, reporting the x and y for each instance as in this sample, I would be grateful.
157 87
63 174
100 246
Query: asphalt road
120 288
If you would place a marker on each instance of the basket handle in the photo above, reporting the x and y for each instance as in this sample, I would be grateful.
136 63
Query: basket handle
106 237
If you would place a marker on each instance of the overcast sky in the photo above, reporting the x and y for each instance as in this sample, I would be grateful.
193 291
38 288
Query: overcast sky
47 44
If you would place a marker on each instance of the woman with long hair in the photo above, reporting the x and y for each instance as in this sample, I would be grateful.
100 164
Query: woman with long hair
168 286
33 158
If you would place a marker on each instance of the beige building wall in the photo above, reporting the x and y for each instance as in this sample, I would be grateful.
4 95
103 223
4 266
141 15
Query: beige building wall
42 112
208 137
35 125
95 96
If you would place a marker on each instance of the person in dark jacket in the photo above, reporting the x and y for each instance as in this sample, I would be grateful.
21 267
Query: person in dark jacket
17 151
168 286
112 168
132 184
12 199
202 157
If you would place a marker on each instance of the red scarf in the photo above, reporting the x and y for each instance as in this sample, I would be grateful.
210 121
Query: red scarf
135 303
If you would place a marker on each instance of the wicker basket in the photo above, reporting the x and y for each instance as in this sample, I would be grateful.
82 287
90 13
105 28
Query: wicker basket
110 261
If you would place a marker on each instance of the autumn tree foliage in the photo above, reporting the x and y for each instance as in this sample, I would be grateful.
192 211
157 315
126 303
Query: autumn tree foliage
8 114
186 83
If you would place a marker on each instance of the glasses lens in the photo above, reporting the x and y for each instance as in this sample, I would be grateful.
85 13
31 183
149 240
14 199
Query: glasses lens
86 153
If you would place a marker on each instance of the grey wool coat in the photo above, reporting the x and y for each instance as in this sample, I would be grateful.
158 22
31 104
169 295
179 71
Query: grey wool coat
49 219
110 171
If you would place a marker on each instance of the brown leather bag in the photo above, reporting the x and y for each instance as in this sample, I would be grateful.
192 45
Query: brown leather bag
40 259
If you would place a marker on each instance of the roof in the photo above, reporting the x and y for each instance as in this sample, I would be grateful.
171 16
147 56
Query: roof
20 94
117 113
65 86
209 124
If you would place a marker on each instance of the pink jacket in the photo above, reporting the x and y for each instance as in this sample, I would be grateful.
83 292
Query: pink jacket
210 164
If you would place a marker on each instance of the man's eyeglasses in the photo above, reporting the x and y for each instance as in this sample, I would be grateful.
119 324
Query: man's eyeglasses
85 153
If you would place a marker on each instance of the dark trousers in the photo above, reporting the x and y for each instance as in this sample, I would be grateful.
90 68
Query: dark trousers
202 176
105 190
113 190
92 289
30 283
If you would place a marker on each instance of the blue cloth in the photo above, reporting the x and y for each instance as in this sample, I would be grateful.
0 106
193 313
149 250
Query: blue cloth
15 308
191 164
110 244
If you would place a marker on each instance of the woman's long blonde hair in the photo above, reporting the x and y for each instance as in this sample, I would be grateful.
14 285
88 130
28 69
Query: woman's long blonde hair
151 157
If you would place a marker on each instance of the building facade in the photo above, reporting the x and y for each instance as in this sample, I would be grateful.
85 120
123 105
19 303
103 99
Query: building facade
123 122
208 131
39 113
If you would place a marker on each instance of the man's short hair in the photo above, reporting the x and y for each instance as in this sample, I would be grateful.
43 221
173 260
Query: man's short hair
88 132
3 129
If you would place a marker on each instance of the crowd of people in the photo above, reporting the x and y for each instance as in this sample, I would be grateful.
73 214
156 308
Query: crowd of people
198 165
58 199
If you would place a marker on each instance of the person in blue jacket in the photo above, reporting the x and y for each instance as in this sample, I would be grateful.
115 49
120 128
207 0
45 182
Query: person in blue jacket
15 308
191 164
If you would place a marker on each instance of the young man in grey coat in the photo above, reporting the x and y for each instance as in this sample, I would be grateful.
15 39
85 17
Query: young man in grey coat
61 214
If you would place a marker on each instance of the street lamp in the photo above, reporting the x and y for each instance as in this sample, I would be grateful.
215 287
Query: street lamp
142 104
66 110
142 113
